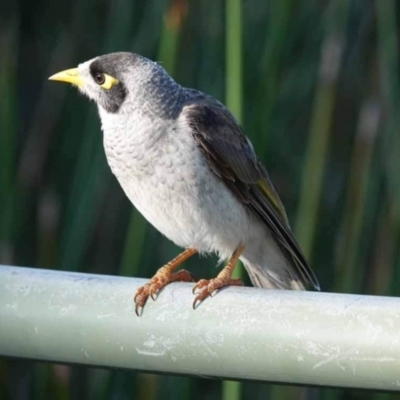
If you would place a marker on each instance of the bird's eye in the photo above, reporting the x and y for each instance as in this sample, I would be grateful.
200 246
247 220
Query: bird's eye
99 78
104 80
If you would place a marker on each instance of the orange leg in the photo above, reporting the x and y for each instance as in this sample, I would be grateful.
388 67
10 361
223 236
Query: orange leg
162 277
207 287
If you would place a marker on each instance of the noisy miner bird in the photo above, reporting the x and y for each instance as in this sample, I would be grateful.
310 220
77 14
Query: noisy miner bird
187 166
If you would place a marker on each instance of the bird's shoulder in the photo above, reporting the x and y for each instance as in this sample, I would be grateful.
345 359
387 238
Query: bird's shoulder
221 138
207 113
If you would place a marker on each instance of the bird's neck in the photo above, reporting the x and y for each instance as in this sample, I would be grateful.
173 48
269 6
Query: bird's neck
156 96
152 102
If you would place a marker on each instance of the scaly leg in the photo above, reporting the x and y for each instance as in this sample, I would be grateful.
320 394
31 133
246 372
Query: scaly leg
224 278
162 277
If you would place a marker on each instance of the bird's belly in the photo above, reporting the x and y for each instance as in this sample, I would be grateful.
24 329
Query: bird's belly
182 198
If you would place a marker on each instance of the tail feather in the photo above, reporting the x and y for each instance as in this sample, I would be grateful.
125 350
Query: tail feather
265 278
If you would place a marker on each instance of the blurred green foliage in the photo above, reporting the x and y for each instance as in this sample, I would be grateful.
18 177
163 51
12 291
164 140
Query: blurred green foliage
316 86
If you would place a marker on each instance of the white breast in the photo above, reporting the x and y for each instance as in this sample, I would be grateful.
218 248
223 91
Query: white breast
167 178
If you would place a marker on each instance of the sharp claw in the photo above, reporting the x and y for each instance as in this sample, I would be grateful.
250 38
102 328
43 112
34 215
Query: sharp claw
139 303
137 310
201 296
194 303
153 295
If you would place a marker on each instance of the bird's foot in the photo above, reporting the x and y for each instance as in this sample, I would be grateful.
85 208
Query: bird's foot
207 287
162 277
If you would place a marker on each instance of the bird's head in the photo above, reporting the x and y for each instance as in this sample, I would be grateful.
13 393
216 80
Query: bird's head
119 82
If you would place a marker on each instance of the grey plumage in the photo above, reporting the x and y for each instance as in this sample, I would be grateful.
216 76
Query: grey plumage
186 164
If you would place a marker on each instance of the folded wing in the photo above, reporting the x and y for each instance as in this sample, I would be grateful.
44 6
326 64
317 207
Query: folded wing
232 158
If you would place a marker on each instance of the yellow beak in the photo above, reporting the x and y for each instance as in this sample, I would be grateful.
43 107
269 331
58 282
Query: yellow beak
69 75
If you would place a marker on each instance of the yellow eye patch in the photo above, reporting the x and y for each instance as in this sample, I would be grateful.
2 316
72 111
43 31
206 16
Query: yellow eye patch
109 82
104 80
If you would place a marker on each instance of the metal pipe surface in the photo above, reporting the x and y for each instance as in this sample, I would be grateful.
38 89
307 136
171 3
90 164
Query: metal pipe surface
241 333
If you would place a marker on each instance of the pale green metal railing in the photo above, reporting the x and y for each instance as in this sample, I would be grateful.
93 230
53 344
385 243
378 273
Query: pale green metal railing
304 338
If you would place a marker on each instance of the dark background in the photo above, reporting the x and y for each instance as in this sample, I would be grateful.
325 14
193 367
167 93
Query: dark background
316 86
